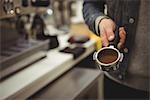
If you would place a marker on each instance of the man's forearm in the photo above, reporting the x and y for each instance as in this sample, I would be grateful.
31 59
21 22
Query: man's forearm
93 13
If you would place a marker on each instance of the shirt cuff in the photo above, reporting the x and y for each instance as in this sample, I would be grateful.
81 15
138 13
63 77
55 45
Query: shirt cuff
97 21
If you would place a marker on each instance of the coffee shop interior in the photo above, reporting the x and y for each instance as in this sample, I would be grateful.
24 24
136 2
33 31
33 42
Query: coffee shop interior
47 52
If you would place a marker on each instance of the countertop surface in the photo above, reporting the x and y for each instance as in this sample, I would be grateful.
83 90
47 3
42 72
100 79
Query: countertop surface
29 80
73 84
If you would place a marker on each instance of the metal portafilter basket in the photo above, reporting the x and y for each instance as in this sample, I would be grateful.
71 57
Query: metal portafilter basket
109 58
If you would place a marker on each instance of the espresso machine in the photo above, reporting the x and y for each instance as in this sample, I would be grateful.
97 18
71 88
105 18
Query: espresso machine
18 48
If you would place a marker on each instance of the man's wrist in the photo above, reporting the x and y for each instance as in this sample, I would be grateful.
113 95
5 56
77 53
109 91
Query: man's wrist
97 21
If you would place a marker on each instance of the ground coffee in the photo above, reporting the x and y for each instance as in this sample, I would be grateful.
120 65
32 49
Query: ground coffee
107 56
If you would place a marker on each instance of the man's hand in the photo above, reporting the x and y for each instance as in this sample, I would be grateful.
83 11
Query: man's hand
107 27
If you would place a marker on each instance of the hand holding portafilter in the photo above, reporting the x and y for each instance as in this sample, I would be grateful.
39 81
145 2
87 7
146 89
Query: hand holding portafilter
109 57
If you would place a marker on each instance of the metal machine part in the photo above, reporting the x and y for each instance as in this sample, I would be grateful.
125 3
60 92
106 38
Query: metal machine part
11 8
8 6
20 55
111 58
16 51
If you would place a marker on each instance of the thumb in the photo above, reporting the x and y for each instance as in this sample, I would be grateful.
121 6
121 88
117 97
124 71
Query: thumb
109 33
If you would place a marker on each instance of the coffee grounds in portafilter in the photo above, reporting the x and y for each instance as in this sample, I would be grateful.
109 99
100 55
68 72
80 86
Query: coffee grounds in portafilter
107 56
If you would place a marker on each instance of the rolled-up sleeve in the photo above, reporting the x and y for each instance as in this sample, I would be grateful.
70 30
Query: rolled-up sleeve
97 21
93 12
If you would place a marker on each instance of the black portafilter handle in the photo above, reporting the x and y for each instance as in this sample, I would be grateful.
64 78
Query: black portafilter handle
115 41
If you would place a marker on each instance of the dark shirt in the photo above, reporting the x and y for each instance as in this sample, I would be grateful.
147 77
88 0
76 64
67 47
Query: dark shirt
134 16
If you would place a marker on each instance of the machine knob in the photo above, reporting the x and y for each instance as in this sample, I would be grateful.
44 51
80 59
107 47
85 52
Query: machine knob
8 6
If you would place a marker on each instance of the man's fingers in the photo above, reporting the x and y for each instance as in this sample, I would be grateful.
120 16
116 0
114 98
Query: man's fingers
106 27
104 38
110 34
122 35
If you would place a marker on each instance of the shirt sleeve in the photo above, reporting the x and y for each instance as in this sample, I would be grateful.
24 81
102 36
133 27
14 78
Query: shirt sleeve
97 21
92 10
